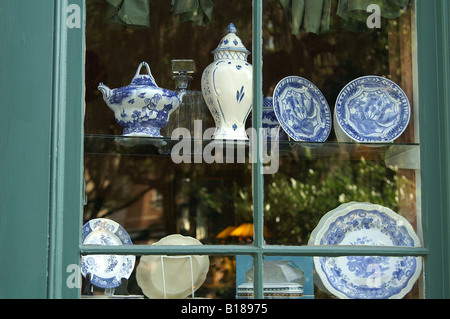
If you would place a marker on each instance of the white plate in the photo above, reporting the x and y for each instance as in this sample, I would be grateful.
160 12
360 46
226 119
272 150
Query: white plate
302 110
172 277
366 277
372 109
106 271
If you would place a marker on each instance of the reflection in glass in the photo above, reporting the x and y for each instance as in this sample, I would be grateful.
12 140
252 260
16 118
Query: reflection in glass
149 194
314 179
287 277
136 183
150 202
219 282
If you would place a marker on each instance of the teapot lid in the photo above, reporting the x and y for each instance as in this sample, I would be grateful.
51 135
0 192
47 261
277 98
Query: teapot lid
143 79
231 42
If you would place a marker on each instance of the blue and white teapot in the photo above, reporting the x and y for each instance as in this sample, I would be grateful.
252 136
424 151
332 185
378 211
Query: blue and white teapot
141 108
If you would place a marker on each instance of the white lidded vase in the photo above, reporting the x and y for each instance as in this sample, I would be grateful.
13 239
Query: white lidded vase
227 87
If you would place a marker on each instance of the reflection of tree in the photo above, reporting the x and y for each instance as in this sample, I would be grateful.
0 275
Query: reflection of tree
207 191
221 274
295 205
109 181
295 202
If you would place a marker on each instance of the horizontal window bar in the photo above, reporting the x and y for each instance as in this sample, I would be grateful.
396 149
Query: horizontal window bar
270 250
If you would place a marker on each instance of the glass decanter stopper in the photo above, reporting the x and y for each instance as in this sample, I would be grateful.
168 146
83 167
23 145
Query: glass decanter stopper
193 113
181 68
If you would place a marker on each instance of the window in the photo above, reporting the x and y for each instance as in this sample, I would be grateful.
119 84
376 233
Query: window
250 224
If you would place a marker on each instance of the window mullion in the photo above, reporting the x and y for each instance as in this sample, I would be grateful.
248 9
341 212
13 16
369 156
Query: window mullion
274 250
258 182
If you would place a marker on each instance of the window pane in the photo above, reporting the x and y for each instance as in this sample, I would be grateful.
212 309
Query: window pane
313 179
152 197
160 277
317 177
289 277
138 182
204 190
368 277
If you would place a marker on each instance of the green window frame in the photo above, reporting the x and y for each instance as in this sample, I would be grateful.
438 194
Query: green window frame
65 163
258 250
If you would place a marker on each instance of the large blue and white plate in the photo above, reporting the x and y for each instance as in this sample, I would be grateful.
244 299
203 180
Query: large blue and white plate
372 109
365 277
302 110
106 271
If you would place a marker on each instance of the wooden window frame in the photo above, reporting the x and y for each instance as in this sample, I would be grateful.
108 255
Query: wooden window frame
433 35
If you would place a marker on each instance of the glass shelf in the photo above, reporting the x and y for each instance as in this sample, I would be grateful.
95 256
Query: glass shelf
399 155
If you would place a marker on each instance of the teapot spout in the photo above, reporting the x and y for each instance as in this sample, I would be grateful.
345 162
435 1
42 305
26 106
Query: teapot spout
106 91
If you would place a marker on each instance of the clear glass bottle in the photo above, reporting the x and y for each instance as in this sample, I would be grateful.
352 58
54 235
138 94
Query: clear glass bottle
193 113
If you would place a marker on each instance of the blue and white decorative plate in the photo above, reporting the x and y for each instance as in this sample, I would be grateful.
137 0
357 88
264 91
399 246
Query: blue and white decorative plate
106 271
302 110
372 109
366 277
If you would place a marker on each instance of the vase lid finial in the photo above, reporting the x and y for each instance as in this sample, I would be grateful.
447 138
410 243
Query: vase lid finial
231 28
231 42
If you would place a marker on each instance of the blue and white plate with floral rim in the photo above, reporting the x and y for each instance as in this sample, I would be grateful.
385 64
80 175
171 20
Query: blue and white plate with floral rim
365 277
302 110
372 109
106 271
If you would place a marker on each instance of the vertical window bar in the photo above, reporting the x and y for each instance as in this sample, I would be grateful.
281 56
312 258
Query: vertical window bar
258 187
55 280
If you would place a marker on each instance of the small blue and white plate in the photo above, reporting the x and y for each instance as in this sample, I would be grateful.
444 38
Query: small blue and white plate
302 110
372 109
106 271
365 277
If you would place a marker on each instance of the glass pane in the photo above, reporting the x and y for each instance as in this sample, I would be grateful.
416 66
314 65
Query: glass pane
307 201
296 277
152 197
136 181
368 277
288 277
305 189
315 178
169 277
204 190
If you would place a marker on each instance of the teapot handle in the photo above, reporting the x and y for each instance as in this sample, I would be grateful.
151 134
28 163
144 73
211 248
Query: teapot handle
138 71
